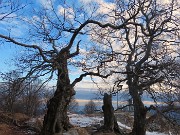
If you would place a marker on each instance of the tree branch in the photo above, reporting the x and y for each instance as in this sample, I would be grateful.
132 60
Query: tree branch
120 108
75 53
77 31
151 82
161 112
26 45
86 74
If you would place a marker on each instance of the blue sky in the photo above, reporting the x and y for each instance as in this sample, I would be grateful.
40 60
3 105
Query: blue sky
8 53
18 29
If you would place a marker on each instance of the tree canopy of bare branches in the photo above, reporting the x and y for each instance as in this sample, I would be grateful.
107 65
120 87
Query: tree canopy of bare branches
137 40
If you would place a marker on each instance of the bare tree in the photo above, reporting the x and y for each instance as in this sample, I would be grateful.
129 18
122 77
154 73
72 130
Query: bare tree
11 90
90 107
73 106
19 95
59 31
31 97
147 51
144 30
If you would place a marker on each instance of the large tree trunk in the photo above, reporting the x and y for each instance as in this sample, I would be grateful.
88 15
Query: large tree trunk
139 125
110 122
56 119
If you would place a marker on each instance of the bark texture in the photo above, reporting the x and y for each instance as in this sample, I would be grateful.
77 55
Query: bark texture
110 122
56 119
139 126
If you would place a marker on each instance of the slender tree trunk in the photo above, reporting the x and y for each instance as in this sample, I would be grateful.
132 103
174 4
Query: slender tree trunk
56 119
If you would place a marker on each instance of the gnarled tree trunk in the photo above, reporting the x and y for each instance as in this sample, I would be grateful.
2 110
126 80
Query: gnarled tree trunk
110 122
56 119
139 125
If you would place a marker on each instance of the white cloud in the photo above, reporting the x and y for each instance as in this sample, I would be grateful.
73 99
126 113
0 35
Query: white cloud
86 83
99 7
86 1
68 12
46 3
35 18
14 28
164 1
106 7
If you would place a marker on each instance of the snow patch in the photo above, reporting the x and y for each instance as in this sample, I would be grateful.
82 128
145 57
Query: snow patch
83 120
123 126
87 121
154 133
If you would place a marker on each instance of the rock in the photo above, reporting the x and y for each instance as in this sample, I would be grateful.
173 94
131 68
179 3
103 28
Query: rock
96 126
71 132
101 133
75 131
82 131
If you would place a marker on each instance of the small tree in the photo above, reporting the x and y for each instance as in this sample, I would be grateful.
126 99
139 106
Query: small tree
90 107
73 106
31 97
11 90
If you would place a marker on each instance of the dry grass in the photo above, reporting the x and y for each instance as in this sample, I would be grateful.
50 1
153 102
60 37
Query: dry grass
21 117
125 118
82 131
9 118
6 123
100 133
5 129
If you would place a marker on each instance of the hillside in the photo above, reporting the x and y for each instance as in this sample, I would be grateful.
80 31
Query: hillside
83 124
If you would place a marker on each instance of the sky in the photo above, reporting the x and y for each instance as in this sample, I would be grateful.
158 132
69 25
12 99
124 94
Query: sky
18 29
